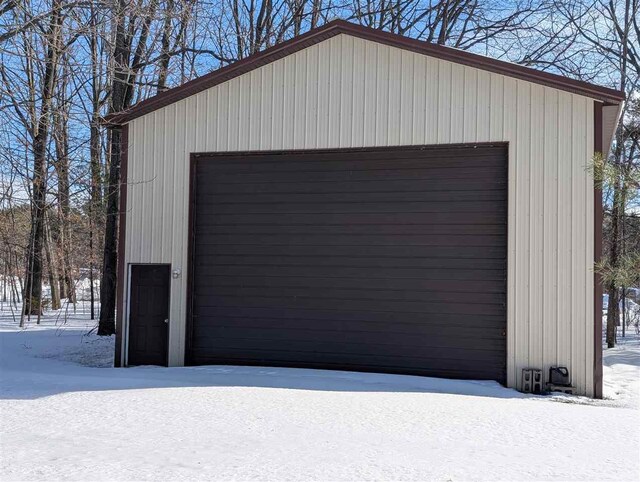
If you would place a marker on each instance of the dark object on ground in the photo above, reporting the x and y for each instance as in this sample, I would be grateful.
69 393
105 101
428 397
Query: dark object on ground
559 376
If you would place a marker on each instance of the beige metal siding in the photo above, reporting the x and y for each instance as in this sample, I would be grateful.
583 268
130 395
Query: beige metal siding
348 92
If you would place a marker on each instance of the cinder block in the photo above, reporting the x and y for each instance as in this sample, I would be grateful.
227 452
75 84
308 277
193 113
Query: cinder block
560 388
527 378
537 380
532 381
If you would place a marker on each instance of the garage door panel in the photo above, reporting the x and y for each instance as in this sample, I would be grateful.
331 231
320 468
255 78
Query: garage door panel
383 185
466 367
361 175
360 272
396 229
364 305
357 240
461 252
210 280
361 261
342 170
335 165
357 197
391 261
394 345
456 369
336 160
468 207
490 328
319 318
348 294
469 354
209 217
431 334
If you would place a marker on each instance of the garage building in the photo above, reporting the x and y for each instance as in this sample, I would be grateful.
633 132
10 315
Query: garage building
353 199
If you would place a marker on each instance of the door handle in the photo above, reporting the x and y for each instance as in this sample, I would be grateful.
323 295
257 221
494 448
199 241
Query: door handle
167 321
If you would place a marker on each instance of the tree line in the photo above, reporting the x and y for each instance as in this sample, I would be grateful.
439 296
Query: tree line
66 64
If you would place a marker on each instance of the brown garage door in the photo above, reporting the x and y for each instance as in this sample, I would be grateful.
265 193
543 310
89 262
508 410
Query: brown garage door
390 260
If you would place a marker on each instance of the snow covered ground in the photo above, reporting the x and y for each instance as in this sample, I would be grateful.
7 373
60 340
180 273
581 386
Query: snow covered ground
65 414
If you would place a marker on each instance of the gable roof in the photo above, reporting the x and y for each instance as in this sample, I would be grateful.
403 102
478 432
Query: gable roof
337 27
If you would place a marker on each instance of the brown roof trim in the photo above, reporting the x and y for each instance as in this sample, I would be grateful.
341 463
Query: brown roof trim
338 27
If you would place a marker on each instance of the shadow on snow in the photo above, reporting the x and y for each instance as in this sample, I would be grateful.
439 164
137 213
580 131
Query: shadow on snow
27 373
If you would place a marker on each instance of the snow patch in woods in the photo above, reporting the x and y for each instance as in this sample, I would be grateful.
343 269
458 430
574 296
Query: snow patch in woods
62 417
621 372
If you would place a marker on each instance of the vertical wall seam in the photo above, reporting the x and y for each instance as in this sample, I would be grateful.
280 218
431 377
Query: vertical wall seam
375 90
465 74
319 142
352 69
571 238
515 231
588 234
558 225
530 201
305 102
542 240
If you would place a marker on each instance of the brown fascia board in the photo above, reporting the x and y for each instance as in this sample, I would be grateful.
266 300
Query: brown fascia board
338 27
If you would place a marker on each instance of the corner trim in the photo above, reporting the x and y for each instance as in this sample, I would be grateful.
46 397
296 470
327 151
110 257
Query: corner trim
597 255
122 214
190 253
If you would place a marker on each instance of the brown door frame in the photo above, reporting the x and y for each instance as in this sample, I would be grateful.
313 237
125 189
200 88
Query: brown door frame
194 157
127 307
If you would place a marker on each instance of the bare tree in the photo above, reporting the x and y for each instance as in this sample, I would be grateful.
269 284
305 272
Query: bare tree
65 65
132 28
611 28
41 126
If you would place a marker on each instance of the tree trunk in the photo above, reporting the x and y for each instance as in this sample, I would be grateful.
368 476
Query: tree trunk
16 264
4 280
15 293
91 292
65 232
613 314
123 80
613 308
33 279
62 279
165 57
108 286
62 168
51 265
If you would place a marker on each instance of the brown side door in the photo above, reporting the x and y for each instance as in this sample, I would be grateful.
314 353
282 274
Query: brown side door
149 314
390 260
